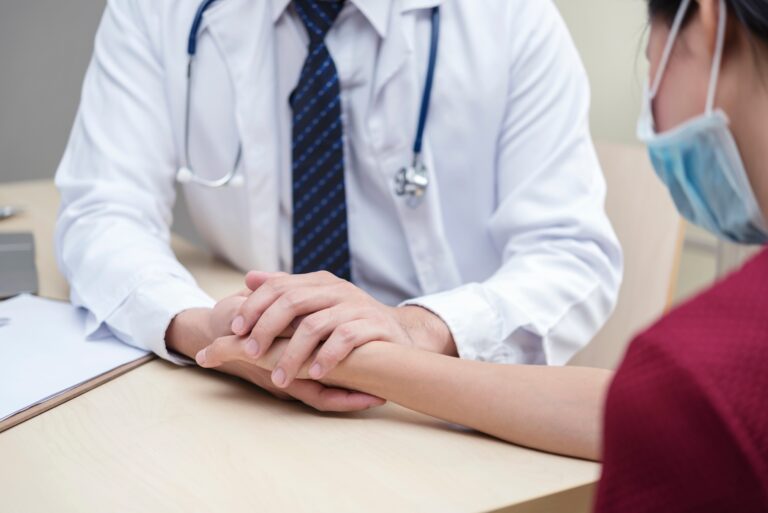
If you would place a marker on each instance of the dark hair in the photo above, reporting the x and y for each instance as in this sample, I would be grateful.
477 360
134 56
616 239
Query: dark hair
753 14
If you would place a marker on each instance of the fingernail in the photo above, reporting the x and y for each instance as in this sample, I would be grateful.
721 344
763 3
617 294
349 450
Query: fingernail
238 324
252 348
200 357
315 371
278 377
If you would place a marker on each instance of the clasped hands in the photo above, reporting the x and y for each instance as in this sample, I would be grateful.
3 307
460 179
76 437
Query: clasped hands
286 324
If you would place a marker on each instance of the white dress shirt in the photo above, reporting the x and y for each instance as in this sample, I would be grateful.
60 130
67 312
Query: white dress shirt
512 250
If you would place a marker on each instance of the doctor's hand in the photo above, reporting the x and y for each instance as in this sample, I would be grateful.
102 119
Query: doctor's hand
193 329
324 313
312 393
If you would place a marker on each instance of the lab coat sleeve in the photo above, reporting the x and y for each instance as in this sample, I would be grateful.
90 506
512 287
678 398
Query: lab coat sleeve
561 261
117 189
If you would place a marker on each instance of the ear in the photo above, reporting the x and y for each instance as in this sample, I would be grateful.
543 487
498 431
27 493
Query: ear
708 15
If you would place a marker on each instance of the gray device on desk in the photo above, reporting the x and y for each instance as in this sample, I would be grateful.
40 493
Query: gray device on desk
17 264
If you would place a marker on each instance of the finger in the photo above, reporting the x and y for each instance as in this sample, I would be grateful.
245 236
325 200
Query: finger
291 329
223 313
258 301
255 279
294 304
267 293
342 341
324 398
261 379
226 349
243 293
312 330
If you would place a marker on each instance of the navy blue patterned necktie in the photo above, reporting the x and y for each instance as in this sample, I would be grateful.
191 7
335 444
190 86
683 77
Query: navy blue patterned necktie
320 240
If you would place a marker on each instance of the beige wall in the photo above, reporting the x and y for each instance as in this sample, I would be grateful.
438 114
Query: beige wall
610 36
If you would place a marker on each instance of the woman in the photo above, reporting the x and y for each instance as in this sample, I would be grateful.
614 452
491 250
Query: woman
686 424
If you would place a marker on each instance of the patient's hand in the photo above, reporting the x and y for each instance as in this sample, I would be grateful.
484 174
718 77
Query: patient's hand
312 393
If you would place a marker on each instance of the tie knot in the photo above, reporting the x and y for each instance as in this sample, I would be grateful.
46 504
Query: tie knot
318 16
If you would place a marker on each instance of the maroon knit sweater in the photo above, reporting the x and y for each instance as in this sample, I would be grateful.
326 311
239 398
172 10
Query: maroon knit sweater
686 427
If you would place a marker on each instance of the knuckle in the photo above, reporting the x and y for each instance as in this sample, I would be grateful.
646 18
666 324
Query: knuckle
326 275
345 334
268 287
274 286
293 300
313 324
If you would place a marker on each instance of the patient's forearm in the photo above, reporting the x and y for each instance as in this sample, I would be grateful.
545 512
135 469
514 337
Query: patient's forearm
556 409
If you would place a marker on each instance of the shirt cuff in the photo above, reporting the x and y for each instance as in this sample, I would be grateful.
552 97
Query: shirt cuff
143 318
474 324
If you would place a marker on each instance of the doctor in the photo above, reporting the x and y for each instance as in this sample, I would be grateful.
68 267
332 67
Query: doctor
429 160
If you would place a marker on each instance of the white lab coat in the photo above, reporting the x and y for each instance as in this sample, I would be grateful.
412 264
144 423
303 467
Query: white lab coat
511 247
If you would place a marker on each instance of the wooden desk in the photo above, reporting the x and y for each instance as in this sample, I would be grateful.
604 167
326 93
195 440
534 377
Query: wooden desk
168 439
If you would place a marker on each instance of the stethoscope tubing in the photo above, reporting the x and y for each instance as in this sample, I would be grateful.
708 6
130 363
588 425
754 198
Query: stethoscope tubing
428 83
187 174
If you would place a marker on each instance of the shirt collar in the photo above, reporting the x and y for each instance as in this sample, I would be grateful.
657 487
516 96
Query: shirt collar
375 11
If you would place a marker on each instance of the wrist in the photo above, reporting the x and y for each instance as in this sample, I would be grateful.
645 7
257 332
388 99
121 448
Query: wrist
363 365
189 332
427 330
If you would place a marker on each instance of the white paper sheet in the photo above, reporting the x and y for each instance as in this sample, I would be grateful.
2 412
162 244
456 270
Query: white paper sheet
44 352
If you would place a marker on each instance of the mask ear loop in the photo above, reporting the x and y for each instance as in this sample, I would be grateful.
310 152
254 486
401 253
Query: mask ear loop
718 57
673 33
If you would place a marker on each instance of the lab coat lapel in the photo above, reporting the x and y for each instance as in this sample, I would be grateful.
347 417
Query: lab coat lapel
397 47
245 33
397 96
394 52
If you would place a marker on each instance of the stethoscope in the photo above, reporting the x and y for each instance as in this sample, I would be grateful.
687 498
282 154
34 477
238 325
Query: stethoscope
185 174
411 181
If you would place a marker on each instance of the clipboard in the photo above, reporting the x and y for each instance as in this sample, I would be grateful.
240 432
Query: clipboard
70 394
48 358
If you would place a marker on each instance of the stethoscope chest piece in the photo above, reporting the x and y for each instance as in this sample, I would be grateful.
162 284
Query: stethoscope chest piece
412 183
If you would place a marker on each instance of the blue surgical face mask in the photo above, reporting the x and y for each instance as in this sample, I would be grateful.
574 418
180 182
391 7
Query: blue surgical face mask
699 161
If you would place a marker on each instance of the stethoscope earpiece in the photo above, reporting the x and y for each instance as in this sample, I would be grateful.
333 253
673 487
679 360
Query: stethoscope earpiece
184 175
